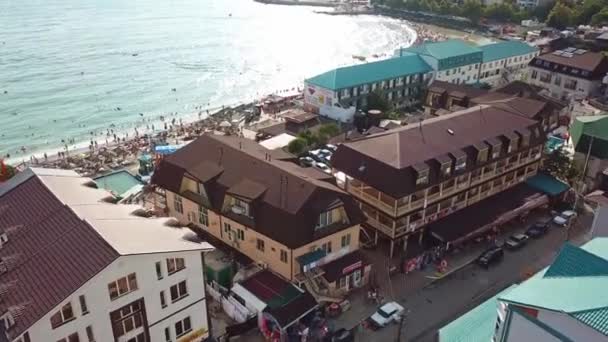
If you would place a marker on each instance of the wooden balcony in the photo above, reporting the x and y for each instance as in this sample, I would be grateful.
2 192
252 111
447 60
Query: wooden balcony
374 201
386 230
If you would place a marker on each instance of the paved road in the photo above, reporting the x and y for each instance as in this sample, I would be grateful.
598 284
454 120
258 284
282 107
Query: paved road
438 304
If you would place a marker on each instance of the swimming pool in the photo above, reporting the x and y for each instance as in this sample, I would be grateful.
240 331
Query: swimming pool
118 182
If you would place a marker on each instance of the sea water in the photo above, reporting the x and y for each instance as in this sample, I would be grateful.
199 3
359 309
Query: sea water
70 70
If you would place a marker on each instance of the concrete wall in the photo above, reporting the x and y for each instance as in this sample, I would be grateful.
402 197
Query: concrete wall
461 75
149 286
513 63
248 245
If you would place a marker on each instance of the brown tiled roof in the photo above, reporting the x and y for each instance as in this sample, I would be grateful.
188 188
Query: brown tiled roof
457 90
594 62
293 198
385 160
299 117
248 189
51 252
517 105
333 269
525 90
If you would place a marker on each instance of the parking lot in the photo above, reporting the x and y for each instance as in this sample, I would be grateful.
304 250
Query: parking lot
319 158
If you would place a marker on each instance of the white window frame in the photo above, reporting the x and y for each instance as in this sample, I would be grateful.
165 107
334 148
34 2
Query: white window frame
180 295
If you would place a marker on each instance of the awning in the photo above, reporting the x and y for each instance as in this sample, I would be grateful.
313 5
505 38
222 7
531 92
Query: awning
547 184
311 257
489 212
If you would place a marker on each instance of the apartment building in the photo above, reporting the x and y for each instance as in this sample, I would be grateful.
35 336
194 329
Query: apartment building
257 201
454 60
76 268
399 80
502 59
569 74
406 178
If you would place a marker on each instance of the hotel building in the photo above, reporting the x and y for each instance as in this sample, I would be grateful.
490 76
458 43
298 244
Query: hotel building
406 178
261 204
75 268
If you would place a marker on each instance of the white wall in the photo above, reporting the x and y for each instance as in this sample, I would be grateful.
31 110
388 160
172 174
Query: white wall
570 327
149 287
461 75
583 89
521 329
513 63
599 228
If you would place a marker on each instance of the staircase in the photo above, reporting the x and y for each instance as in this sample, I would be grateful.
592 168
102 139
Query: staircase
320 295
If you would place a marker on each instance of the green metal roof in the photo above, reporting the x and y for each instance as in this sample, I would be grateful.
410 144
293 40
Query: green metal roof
573 284
502 50
475 325
595 126
547 184
359 74
311 257
445 49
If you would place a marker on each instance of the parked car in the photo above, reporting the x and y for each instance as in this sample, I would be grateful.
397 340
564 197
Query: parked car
323 167
516 241
490 256
565 217
537 230
307 161
316 155
331 147
326 152
389 312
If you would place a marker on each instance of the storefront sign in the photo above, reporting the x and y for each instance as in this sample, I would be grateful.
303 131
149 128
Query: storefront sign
352 267
194 336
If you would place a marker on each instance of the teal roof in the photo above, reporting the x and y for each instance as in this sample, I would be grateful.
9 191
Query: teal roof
501 50
442 50
355 75
547 184
475 325
577 280
311 257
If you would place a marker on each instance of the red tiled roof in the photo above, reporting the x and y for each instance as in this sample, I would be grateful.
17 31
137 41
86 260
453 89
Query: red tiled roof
48 244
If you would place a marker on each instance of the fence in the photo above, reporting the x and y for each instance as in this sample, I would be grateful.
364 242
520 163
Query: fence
232 307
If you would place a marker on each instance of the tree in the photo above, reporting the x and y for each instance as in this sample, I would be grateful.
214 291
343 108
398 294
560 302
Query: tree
542 12
561 16
375 100
6 171
559 165
327 131
588 9
310 138
600 18
297 146
472 10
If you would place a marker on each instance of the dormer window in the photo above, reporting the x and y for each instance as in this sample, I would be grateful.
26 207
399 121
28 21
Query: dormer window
525 137
3 238
482 152
240 207
513 142
461 161
325 219
445 165
422 174
496 146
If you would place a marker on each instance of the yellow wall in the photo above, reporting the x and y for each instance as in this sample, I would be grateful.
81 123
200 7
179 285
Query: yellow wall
248 246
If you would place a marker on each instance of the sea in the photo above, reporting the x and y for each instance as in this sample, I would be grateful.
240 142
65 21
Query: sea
71 70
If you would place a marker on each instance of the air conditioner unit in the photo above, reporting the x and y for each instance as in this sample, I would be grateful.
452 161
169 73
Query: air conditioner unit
262 264
237 210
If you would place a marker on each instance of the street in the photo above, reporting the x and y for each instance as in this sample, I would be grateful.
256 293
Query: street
434 305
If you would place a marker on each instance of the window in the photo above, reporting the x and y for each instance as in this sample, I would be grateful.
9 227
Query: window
72 338
163 302
283 256
461 164
175 265
345 240
178 291
90 335
570 84
203 216
495 150
83 305
182 327
423 177
325 219
240 234
534 74
557 80
242 207
159 271
326 247
167 334
178 205
482 155
227 227
446 169
122 286
62 316
259 244
26 337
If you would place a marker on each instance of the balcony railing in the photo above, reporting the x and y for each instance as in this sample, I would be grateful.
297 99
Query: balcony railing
381 227
372 199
